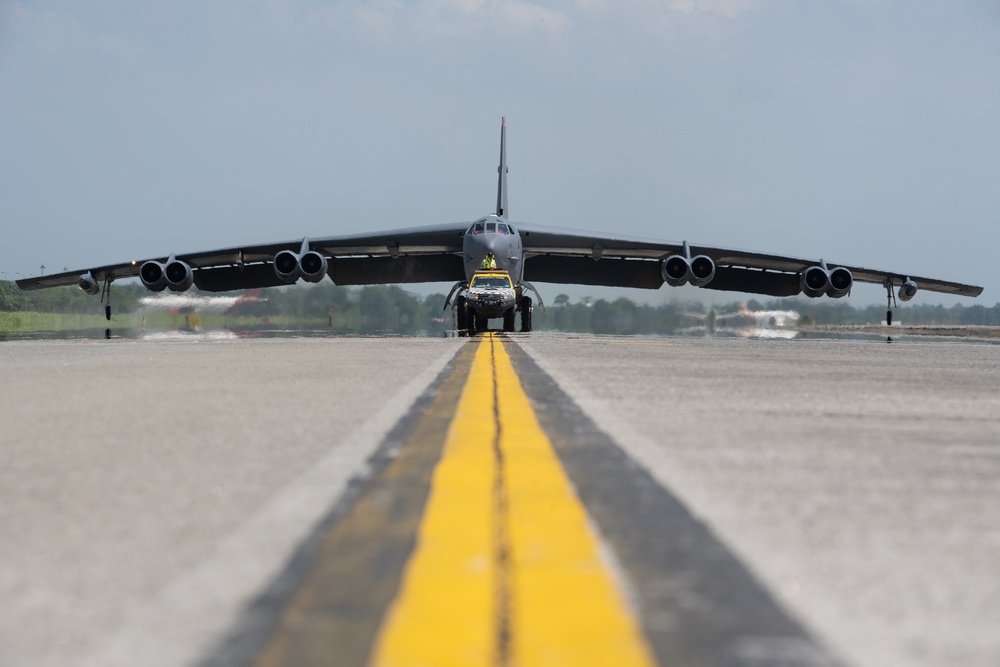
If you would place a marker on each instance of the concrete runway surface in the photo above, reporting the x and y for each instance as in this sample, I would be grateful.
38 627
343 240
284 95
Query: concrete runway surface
753 502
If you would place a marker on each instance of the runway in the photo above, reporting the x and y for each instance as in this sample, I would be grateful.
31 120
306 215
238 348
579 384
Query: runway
504 500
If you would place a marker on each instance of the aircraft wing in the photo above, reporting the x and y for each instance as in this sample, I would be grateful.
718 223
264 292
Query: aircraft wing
415 254
570 256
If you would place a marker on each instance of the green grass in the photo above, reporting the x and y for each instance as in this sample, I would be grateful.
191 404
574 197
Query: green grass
20 322
26 321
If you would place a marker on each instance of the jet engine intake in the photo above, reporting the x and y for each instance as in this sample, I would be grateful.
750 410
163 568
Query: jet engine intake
679 270
179 275
89 285
675 270
841 281
702 270
907 290
312 266
286 266
152 276
814 281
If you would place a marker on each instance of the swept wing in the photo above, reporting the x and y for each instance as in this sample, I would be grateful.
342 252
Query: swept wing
557 255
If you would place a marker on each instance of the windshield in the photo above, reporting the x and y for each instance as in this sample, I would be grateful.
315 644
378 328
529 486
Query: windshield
491 281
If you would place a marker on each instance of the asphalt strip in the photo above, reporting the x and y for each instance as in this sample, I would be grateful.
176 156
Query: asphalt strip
698 603
181 623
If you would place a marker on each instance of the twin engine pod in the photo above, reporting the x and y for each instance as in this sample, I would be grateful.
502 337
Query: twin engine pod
682 269
175 274
819 280
309 265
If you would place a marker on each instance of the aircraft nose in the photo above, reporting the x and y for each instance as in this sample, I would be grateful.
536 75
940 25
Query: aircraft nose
484 243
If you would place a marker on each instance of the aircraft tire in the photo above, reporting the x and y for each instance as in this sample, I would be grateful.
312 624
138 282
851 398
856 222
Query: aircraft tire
508 320
461 314
471 321
482 323
525 314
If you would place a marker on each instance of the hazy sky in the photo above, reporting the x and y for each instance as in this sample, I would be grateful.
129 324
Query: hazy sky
861 131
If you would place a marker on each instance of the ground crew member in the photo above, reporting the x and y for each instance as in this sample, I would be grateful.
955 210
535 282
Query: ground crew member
489 262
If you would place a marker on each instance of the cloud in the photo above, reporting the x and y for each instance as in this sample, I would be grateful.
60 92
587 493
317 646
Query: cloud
511 19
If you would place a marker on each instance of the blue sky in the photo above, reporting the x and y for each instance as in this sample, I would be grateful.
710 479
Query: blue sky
861 131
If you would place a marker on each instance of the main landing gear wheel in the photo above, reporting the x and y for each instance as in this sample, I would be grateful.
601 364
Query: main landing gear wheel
508 320
890 301
526 314
461 315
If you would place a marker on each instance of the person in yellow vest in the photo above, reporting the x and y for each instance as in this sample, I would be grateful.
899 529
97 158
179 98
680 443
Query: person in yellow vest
489 262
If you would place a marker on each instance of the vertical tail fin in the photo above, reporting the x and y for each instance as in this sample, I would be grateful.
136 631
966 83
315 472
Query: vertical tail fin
502 170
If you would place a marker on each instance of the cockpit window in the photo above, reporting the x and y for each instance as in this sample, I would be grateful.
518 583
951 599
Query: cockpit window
491 281
491 227
502 228
477 228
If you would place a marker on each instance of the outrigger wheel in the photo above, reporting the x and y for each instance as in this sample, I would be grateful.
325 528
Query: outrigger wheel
889 299
526 314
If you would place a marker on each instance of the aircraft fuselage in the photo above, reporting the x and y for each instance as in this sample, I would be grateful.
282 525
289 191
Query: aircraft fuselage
493 233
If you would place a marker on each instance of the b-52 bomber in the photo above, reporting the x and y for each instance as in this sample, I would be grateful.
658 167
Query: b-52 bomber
522 251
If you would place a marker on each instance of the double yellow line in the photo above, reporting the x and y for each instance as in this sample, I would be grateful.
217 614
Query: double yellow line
507 569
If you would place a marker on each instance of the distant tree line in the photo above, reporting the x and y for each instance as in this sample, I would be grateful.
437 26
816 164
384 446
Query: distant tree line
391 309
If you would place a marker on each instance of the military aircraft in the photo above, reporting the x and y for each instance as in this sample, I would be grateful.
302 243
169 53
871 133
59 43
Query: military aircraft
455 251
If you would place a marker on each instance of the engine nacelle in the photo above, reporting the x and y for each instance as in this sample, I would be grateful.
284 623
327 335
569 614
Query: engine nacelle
702 271
286 266
179 275
818 280
674 270
814 281
312 266
907 290
89 285
175 274
290 266
152 276
679 270
841 281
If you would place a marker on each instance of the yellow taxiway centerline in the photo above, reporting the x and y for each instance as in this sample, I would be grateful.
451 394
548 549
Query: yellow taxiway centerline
506 570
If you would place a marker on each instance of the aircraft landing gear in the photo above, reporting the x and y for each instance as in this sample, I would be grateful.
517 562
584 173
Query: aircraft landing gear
508 320
525 314
890 302
106 299
462 316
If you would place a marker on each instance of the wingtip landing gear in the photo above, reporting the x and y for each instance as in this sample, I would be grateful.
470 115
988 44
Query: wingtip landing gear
890 304
106 300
